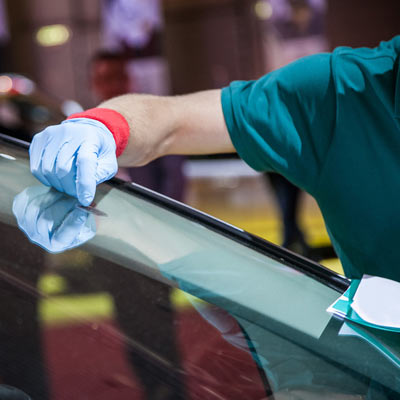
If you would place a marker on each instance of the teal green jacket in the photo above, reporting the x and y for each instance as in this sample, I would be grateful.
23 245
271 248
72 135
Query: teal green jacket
330 123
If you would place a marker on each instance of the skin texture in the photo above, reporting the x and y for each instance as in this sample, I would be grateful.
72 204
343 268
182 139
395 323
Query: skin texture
188 124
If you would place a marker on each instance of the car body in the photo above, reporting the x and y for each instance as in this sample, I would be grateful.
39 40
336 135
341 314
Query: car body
160 301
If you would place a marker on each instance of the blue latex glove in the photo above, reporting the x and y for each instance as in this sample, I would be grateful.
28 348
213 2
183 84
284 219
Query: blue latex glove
53 220
74 157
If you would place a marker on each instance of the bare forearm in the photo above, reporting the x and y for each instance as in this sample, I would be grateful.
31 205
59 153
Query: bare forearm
189 124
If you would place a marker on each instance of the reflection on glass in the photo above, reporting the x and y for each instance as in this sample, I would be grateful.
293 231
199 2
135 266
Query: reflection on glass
115 324
52 219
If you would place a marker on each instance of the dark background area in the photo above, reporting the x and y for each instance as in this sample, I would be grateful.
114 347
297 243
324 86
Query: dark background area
207 43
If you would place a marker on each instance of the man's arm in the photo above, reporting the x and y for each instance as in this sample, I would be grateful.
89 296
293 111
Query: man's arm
158 126
80 153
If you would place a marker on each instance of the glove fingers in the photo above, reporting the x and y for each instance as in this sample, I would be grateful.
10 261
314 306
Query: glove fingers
36 150
65 159
48 165
65 168
107 168
54 182
68 183
86 166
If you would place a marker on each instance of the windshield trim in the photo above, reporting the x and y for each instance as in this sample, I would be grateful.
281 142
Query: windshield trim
280 254
13 140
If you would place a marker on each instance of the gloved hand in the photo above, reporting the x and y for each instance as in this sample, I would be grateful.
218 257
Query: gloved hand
74 157
53 220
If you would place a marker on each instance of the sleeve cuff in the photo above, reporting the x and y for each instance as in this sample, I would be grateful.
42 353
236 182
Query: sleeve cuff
113 120
236 132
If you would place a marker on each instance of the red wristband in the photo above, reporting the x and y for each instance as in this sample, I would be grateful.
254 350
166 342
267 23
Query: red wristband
113 120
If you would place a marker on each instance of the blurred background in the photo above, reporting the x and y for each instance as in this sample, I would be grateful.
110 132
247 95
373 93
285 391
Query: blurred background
49 52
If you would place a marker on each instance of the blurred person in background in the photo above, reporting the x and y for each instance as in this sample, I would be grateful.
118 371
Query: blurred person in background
295 30
109 78
135 27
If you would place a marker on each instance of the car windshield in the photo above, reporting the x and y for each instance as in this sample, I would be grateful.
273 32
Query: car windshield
154 300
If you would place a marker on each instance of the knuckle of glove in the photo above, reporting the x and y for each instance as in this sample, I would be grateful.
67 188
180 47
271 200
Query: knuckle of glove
47 169
62 170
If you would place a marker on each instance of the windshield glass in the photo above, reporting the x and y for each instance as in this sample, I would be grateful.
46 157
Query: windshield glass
183 310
